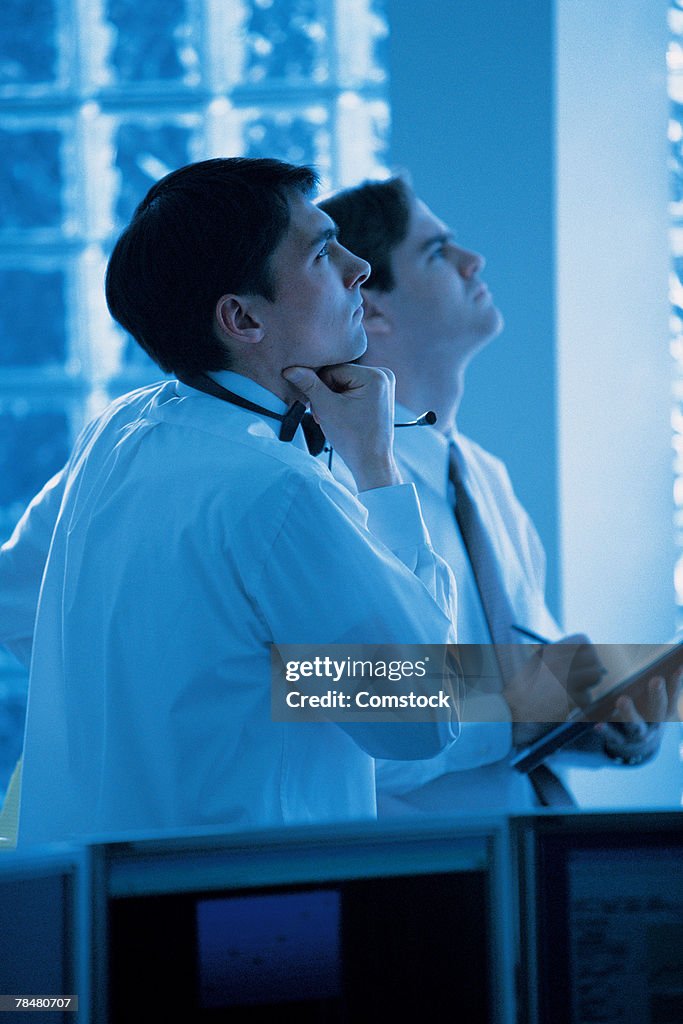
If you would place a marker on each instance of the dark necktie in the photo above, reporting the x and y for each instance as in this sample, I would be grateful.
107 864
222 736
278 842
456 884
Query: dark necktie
485 565
497 609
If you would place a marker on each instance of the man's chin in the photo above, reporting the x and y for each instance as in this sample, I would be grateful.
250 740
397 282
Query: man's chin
361 345
487 334
352 351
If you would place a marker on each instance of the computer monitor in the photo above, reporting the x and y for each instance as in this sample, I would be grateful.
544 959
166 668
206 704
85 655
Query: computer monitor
602 917
336 925
43 926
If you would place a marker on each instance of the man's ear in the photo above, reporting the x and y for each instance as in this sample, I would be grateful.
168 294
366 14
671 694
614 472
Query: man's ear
375 319
237 318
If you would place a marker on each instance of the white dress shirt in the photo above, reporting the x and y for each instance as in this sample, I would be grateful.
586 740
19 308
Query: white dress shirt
185 539
473 775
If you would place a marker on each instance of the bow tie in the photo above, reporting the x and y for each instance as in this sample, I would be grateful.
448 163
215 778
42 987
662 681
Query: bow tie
295 415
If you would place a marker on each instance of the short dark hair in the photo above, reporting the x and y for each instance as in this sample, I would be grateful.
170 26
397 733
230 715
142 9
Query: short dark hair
372 219
203 231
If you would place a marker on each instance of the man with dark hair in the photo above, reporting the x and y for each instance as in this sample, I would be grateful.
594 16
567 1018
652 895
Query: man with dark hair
231 215
427 313
186 536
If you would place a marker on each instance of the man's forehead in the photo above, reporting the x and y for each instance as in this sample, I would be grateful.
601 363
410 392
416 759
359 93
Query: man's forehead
424 224
308 224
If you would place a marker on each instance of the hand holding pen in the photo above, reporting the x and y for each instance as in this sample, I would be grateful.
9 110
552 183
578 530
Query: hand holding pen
552 682
592 669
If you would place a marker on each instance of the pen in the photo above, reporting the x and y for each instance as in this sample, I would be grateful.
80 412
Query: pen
544 640
530 633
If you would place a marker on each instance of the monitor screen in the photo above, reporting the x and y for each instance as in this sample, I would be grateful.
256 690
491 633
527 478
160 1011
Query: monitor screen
605 923
383 949
260 950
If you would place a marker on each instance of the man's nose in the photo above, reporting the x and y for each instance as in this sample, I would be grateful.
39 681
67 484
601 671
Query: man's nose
469 263
356 272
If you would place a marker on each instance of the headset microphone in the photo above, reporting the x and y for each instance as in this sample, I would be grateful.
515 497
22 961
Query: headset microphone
295 415
427 419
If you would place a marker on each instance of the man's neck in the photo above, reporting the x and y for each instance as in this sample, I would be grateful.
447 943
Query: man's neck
440 393
429 371
269 379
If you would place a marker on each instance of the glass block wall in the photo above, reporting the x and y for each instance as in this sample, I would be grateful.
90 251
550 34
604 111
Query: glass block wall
100 98
675 80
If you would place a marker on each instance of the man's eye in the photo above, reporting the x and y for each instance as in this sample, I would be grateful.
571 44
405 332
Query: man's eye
324 251
440 252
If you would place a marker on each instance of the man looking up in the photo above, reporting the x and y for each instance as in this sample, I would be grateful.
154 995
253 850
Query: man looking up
185 535
427 313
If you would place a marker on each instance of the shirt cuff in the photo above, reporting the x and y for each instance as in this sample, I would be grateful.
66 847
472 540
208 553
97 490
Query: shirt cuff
395 516
479 744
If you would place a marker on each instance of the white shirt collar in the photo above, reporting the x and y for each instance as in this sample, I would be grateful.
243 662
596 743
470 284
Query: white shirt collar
247 388
423 449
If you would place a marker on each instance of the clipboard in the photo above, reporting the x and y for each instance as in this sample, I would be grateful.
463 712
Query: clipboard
582 720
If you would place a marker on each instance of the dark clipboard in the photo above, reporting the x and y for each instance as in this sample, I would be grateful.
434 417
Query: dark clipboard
582 720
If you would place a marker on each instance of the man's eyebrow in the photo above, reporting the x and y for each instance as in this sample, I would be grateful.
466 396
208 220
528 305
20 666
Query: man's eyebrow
443 238
323 236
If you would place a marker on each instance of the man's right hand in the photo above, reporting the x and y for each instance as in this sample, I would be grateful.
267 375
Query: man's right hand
550 685
354 406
